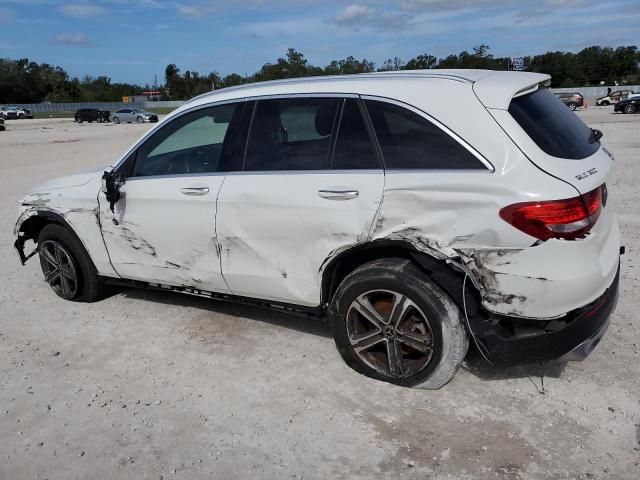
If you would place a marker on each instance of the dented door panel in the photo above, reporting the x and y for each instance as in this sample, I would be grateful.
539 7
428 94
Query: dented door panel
275 229
163 235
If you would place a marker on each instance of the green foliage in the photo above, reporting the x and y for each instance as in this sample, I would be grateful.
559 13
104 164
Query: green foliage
22 81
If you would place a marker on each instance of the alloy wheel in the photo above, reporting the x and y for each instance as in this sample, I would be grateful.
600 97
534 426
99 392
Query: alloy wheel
59 269
390 333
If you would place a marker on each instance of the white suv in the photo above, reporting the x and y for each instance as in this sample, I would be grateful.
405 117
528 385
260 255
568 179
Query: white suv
416 211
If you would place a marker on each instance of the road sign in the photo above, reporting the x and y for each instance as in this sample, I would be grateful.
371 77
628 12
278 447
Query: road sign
517 64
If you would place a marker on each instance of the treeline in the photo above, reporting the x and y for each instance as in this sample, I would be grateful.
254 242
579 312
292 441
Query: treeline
22 81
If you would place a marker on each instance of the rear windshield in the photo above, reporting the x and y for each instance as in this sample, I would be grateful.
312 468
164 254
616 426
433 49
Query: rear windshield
555 129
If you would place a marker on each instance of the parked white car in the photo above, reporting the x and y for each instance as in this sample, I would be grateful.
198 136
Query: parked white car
416 211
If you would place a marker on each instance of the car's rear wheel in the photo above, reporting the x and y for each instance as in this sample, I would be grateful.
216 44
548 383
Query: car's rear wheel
572 106
116 120
66 265
631 108
140 120
605 103
392 323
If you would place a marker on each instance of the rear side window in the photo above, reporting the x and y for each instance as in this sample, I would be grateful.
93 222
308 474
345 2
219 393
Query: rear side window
291 134
552 126
354 148
409 141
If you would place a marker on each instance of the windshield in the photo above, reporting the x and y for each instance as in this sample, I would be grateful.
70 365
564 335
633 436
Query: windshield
556 130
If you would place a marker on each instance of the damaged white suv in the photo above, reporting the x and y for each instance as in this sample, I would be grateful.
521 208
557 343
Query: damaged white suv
416 211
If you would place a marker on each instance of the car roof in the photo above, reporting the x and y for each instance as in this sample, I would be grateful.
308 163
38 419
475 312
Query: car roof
494 88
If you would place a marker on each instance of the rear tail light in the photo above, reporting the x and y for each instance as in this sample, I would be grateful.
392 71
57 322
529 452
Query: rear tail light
567 219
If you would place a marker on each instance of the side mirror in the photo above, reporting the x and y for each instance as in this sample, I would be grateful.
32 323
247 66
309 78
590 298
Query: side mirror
111 183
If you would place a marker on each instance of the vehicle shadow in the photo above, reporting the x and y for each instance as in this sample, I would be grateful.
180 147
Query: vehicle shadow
479 367
300 323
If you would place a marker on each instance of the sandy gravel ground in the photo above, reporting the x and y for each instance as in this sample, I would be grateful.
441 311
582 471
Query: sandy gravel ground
157 385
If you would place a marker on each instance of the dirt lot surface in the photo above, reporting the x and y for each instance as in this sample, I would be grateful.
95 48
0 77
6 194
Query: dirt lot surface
158 385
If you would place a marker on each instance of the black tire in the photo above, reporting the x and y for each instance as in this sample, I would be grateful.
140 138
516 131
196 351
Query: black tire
140 120
631 108
116 120
605 103
79 120
73 258
572 106
441 325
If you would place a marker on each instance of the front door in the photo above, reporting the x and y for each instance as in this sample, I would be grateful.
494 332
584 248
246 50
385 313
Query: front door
163 227
309 187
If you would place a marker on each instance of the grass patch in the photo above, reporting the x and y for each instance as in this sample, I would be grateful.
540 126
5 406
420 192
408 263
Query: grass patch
53 115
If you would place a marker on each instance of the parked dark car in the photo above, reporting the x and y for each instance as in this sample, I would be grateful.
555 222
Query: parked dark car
2 127
571 100
630 105
91 115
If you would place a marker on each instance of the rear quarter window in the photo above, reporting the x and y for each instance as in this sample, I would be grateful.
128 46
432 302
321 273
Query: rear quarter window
557 130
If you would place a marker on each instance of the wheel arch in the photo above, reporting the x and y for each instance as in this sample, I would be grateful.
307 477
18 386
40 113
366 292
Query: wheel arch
29 228
443 273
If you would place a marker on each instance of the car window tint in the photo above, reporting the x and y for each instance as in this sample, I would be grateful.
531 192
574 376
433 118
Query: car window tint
354 149
290 134
552 126
191 143
409 141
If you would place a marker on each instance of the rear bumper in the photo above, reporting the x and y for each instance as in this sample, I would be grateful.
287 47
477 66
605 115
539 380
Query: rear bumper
510 340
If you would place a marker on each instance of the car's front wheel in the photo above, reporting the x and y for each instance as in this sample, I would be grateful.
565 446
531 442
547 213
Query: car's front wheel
392 323
631 108
572 106
140 120
116 120
66 265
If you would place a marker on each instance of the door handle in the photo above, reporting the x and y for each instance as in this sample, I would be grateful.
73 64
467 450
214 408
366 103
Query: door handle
338 193
194 190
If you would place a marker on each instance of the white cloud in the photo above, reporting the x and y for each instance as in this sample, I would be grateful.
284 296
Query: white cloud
358 16
354 14
78 39
81 10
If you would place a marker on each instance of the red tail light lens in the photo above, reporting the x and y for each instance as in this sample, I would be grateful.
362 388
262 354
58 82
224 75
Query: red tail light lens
568 219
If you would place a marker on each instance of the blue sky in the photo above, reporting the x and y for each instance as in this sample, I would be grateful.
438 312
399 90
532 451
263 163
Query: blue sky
133 40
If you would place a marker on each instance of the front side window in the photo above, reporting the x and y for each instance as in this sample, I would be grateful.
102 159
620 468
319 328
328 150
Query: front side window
557 130
410 141
192 143
291 134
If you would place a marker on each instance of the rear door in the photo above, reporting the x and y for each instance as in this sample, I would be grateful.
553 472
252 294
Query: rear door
163 227
309 185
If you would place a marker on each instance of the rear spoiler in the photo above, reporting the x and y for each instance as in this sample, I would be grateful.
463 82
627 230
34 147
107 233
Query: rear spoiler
498 89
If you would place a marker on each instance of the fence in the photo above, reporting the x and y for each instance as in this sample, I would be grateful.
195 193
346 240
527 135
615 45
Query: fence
48 107
595 92
588 92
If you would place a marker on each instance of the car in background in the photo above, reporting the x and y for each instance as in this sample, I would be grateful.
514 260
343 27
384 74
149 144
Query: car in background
2 127
9 113
91 115
629 105
614 97
571 100
130 115
23 112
